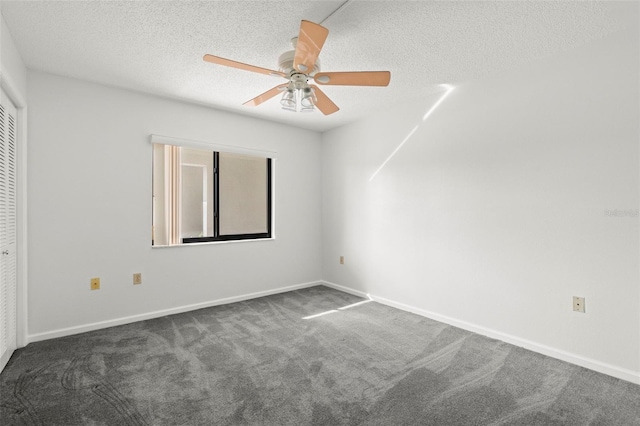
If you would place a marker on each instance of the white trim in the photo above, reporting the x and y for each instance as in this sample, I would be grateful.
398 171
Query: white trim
166 140
4 359
20 102
611 370
161 313
346 289
22 301
591 364
206 243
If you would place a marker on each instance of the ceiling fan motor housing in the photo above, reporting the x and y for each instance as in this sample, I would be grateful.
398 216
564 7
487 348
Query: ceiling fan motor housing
285 62
298 80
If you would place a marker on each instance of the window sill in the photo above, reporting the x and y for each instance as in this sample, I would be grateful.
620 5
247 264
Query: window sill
207 243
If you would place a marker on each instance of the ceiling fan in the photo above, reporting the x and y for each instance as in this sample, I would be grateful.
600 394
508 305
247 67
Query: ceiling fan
298 66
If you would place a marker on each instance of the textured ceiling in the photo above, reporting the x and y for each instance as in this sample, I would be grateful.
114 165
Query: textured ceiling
157 47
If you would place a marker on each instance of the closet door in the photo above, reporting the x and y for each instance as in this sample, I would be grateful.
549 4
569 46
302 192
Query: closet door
8 281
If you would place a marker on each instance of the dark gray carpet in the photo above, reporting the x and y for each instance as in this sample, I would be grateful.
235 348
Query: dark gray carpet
260 363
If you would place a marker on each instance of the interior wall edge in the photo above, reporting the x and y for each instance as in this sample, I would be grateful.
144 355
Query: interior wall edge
32 338
591 364
8 83
346 289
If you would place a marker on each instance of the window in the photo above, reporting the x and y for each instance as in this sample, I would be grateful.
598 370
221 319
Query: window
202 195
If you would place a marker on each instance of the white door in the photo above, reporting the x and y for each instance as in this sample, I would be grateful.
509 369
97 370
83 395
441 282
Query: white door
8 281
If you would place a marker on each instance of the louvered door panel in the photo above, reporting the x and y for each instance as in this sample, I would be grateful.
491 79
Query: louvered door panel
8 228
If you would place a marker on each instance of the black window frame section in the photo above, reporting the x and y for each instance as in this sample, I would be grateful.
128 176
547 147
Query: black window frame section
216 209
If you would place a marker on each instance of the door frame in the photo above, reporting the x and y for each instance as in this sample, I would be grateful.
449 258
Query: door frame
20 102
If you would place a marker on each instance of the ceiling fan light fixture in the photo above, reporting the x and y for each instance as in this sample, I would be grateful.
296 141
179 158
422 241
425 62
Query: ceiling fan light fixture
288 100
309 107
307 100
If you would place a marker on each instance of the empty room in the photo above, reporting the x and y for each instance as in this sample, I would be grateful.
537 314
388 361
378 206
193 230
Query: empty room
320 212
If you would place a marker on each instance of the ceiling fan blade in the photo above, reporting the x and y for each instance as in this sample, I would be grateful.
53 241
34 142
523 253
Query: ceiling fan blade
310 41
354 78
266 95
234 64
324 104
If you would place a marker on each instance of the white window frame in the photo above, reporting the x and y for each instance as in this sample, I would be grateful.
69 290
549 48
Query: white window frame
210 146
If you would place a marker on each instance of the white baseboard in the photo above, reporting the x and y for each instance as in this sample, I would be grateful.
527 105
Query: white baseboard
345 289
601 367
161 313
611 370
4 359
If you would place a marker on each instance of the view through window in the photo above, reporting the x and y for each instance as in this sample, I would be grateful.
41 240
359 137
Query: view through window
204 195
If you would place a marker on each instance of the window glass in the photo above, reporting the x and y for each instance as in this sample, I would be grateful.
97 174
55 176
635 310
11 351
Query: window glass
201 195
243 194
197 193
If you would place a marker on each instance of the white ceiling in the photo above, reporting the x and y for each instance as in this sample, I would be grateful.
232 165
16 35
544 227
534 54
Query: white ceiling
157 46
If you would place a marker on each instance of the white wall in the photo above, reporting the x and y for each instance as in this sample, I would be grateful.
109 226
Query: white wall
11 65
492 215
90 207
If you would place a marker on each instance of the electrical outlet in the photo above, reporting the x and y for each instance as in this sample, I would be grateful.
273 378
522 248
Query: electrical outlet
342 260
578 304
95 283
137 278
